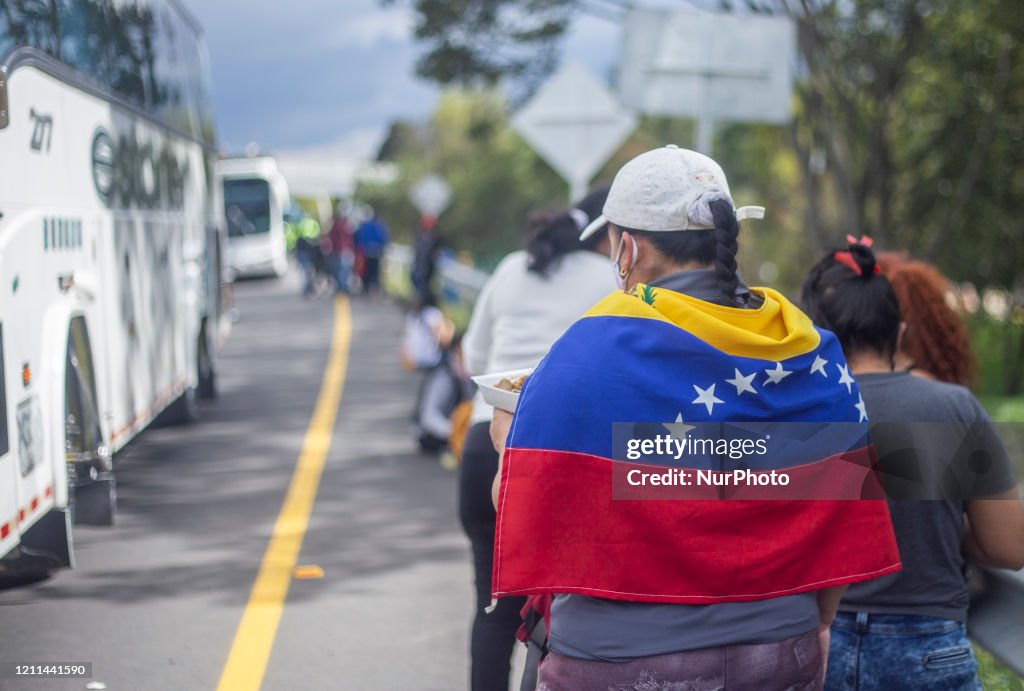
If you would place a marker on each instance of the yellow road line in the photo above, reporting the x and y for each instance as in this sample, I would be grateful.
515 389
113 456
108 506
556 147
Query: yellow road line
254 639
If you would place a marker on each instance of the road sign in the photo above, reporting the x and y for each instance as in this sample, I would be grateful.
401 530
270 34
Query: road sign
431 195
575 124
708 66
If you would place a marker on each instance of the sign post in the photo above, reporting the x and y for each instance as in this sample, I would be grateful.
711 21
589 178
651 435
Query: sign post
575 124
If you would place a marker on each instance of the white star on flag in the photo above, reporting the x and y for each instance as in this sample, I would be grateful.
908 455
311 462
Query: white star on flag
679 429
860 407
776 375
742 383
707 397
819 366
844 377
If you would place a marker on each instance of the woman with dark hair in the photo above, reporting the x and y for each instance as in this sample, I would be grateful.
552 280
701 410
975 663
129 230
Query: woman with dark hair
935 344
935 443
703 591
531 298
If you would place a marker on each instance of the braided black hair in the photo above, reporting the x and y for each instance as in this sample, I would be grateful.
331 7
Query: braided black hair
715 247
727 230
554 235
845 293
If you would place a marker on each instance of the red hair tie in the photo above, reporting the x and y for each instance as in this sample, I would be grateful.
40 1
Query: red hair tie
845 258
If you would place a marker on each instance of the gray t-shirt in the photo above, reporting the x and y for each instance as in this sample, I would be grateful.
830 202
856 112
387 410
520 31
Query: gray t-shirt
937 448
596 629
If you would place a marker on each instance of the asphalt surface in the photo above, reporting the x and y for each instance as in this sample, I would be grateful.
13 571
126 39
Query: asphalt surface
155 601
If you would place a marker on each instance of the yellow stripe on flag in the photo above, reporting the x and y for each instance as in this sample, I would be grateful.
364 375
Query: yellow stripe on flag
775 331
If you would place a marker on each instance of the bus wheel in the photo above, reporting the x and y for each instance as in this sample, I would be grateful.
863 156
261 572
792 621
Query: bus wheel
207 387
96 502
23 580
184 410
45 547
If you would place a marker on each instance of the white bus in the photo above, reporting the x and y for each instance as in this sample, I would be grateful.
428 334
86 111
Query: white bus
255 199
110 229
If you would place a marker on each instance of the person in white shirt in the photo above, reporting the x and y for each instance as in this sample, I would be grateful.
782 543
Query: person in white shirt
427 332
530 300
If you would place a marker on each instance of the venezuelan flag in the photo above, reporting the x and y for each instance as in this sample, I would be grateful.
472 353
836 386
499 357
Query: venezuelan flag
653 356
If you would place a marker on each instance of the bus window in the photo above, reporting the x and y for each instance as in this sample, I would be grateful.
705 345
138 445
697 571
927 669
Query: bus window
247 207
27 23
147 52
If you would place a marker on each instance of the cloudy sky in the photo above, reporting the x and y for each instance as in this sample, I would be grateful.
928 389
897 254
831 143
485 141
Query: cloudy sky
300 74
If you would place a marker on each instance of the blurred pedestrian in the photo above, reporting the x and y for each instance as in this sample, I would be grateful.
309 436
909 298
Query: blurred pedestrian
427 332
936 343
372 240
687 593
425 255
531 298
908 630
444 387
306 234
292 215
341 249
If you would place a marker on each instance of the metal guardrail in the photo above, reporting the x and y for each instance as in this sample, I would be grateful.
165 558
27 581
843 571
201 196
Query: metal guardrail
459 284
996 618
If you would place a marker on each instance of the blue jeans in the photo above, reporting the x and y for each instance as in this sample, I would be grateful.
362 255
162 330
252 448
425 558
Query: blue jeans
305 259
883 652
341 269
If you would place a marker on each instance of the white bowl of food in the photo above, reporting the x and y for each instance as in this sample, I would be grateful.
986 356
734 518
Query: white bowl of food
502 389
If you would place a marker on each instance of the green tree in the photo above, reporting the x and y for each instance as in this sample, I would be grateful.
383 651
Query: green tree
480 42
908 119
908 126
905 101
496 179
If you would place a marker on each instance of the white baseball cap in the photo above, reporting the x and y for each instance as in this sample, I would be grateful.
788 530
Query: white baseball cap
656 192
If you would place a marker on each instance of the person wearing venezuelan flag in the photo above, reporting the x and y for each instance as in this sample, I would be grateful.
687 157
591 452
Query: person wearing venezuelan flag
685 591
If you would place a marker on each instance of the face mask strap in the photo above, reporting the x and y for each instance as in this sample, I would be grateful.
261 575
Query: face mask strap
618 255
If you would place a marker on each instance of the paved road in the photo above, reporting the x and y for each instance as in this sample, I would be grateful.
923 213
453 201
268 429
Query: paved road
155 601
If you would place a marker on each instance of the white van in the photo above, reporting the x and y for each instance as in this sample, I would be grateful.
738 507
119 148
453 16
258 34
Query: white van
255 198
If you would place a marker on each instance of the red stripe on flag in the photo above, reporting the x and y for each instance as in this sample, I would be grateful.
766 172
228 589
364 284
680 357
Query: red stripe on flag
560 531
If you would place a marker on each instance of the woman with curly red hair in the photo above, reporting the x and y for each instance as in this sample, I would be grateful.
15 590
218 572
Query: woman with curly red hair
935 344
947 474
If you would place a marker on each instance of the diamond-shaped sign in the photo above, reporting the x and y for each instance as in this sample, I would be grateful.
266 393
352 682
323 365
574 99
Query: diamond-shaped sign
575 124
431 195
